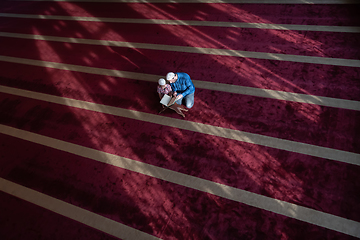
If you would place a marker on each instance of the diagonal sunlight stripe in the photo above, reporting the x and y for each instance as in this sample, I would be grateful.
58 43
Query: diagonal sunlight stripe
212 1
258 92
283 144
319 28
199 50
280 95
73 212
308 215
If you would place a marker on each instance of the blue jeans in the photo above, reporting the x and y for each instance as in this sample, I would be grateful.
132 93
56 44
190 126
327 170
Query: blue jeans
188 100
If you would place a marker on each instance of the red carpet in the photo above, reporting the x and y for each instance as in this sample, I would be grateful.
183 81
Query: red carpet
160 208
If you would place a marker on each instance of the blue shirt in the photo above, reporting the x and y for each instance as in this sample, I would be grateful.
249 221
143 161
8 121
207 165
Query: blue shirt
183 84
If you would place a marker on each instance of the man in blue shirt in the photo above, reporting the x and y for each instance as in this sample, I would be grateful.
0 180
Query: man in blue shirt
182 87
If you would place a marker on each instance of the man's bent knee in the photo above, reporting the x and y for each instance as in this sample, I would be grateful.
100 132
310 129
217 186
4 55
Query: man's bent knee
189 101
189 104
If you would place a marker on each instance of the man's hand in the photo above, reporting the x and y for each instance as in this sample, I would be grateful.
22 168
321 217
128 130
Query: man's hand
179 96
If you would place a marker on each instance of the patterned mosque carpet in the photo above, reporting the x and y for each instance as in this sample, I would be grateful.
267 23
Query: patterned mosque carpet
270 149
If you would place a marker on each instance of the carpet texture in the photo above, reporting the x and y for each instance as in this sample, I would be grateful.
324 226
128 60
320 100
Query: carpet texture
160 208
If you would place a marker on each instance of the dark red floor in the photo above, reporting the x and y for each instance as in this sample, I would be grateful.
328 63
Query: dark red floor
154 206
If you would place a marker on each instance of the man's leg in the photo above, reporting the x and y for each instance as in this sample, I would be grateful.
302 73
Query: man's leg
189 100
179 101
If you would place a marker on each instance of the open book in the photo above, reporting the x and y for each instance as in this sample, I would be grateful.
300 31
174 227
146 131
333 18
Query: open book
167 100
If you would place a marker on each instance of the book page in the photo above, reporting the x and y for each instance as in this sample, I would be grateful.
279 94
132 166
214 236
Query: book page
165 100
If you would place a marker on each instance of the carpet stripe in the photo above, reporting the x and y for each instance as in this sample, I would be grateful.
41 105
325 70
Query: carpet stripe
287 145
294 211
73 212
209 51
215 1
308 215
266 93
270 172
343 29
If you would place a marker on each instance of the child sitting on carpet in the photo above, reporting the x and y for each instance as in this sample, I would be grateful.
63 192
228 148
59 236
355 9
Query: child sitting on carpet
163 88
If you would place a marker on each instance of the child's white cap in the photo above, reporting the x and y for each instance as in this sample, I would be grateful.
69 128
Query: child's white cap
170 76
162 82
